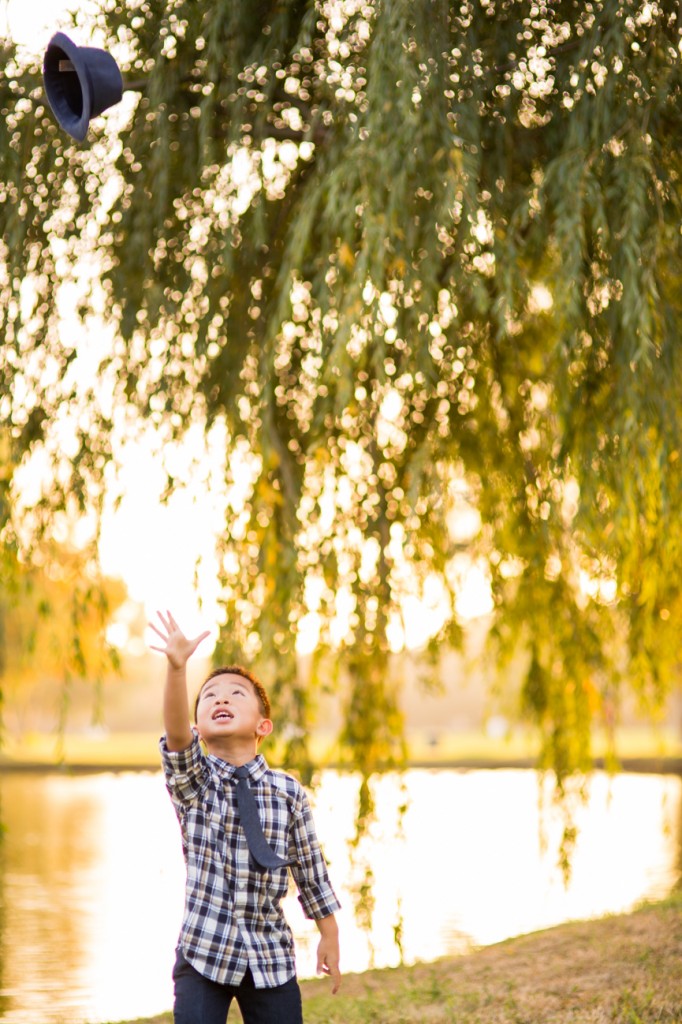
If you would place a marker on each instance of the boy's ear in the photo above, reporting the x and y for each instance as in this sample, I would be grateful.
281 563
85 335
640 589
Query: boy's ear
264 729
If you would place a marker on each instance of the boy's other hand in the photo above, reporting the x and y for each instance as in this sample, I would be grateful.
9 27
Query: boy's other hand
328 961
176 646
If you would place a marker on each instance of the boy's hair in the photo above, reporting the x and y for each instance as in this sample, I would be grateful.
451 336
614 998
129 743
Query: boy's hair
238 670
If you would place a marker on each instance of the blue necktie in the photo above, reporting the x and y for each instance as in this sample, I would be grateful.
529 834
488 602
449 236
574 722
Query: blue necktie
259 848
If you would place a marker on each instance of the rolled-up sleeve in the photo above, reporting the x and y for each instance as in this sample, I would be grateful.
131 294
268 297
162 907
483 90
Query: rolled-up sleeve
184 770
315 892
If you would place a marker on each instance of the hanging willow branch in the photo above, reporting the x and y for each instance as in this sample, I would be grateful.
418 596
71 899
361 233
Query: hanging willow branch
401 252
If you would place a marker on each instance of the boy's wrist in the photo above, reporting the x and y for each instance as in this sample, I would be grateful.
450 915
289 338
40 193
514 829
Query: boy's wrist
327 925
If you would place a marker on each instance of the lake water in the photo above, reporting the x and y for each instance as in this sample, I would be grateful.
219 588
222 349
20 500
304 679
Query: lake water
91 876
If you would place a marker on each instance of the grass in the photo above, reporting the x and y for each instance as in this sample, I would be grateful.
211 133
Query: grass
624 969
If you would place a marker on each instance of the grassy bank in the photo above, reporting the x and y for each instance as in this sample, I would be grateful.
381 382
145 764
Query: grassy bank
618 970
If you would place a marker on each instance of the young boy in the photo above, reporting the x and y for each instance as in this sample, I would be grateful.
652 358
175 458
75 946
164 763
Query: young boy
234 942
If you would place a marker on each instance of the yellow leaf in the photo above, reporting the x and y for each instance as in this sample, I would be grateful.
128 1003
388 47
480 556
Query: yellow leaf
346 256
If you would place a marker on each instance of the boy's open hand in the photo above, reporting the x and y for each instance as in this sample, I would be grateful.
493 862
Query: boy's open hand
177 648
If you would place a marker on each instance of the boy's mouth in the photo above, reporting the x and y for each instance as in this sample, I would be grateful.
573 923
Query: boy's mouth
222 715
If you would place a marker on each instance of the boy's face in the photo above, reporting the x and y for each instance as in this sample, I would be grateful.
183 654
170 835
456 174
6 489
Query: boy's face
229 708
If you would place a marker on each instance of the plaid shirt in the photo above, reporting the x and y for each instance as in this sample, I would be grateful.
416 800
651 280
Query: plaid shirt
233 918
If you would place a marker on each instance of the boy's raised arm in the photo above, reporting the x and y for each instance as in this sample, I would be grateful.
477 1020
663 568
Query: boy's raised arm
178 650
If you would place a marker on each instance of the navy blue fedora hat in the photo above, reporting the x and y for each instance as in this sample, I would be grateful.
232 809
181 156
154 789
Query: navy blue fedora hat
80 83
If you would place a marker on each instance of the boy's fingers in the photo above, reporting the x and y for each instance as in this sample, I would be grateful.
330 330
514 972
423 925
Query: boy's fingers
171 634
333 972
197 640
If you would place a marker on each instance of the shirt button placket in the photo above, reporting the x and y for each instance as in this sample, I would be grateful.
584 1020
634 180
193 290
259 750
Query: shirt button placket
242 867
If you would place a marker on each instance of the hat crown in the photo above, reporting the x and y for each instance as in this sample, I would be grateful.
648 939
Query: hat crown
80 83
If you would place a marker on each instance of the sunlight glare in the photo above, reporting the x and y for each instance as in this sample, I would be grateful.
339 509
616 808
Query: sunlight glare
164 551
32 24
472 585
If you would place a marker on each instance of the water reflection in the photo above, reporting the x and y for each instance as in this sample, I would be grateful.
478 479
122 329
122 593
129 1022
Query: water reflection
85 878
91 876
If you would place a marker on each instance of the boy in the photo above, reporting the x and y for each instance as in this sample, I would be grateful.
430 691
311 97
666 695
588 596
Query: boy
234 941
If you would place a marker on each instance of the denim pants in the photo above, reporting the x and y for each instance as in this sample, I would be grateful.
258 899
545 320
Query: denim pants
201 1001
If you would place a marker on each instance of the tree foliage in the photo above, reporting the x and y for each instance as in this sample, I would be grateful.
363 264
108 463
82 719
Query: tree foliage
53 614
404 255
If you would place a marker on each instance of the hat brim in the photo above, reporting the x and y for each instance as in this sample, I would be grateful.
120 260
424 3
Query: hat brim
69 90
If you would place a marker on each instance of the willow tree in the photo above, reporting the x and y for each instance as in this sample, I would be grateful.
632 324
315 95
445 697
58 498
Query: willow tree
401 254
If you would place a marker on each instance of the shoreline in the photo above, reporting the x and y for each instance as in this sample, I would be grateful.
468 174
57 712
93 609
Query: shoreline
615 969
651 765
648 750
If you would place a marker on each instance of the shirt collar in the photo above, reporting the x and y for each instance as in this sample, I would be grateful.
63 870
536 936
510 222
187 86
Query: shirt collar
257 767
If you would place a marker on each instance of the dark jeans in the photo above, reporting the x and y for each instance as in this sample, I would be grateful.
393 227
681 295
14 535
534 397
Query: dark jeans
200 1001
